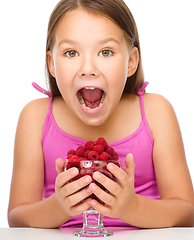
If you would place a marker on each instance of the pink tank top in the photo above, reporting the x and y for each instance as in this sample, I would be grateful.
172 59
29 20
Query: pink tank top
56 143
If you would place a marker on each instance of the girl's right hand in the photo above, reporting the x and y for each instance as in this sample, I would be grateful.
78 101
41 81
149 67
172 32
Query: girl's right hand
68 195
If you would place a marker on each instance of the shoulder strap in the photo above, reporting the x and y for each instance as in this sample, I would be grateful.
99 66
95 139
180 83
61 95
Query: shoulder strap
140 93
142 89
49 94
37 87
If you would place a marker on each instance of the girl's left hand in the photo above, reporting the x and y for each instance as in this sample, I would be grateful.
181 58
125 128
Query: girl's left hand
121 197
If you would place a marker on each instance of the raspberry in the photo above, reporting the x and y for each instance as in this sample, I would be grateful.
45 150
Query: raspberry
71 164
115 156
71 152
74 162
80 151
74 157
83 159
108 174
93 150
110 150
93 155
98 168
86 153
102 142
69 156
89 145
98 148
104 156
86 171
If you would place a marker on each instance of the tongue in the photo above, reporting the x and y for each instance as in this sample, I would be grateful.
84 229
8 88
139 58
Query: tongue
91 95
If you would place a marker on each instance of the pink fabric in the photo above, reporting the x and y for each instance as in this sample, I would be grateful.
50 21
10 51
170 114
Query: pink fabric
49 94
56 143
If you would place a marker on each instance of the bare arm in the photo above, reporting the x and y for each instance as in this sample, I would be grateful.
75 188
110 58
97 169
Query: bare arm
26 203
176 206
26 207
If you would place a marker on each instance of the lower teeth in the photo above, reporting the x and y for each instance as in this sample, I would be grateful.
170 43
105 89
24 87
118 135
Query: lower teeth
81 100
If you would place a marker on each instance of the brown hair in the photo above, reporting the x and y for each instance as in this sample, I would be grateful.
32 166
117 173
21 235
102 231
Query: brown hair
115 10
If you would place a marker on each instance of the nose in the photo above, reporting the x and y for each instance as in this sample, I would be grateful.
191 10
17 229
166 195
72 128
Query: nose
88 67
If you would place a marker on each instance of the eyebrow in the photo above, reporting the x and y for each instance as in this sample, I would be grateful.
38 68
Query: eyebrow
111 39
104 41
67 41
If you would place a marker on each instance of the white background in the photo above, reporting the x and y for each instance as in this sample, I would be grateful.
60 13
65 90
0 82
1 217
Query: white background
167 43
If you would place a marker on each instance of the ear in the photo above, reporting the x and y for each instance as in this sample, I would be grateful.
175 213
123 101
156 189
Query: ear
51 64
133 61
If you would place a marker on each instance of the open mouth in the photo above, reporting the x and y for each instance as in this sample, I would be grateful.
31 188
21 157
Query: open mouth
91 97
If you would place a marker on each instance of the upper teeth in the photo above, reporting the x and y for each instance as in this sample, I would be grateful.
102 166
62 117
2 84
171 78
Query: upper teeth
91 88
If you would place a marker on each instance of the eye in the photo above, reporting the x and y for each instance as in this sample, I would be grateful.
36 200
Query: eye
71 54
106 53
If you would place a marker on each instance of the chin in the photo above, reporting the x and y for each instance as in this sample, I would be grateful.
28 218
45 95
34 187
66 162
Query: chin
94 122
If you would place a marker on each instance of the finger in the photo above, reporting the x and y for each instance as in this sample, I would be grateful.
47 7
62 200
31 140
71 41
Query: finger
79 209
104 210
64 177
120 175
78 197
104 196
75 186
107 183
129 166
60 165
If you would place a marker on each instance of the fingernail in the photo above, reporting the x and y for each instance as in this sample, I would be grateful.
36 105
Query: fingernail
97 175
93 187
74 171
89 190
111 166
93 203
86 179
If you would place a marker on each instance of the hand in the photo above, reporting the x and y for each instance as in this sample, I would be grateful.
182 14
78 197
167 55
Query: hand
121 197
68 195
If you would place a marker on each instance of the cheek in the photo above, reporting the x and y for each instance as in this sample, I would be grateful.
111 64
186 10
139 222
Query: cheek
117 83
60 69
64 75
117 69
118 77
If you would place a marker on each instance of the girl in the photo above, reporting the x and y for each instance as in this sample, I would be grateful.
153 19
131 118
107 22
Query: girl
97 88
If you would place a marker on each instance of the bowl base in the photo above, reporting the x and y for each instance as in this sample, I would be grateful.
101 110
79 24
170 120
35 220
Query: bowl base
92 225
93 231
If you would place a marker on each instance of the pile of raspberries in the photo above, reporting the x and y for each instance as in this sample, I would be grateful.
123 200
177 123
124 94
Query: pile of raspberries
94 150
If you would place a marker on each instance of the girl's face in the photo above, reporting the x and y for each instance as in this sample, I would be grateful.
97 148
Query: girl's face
91 62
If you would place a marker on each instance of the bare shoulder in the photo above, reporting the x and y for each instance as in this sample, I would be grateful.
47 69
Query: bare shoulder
156 102
32 117
30 126
35 111
37 106
159 112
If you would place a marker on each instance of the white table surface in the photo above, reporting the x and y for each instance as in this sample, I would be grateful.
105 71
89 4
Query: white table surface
118 234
